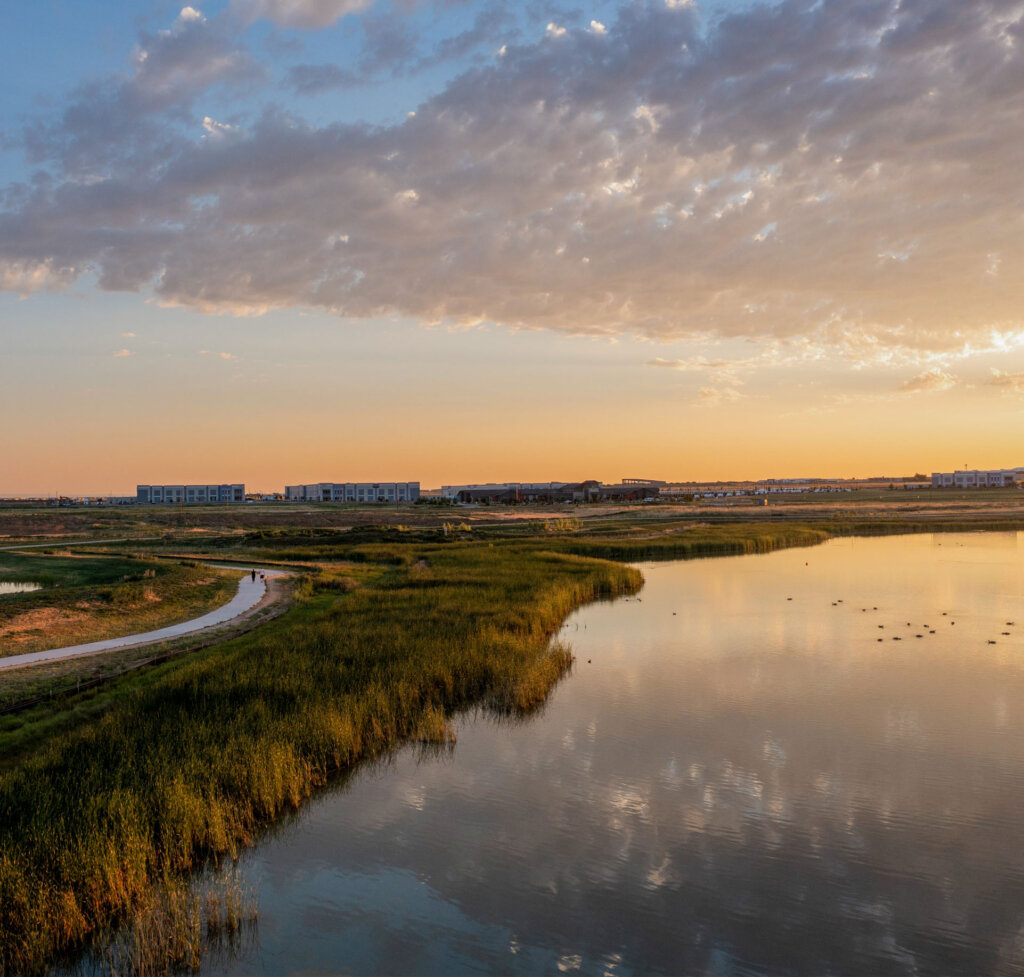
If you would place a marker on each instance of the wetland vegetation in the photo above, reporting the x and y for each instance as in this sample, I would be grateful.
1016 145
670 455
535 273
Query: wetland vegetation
395 628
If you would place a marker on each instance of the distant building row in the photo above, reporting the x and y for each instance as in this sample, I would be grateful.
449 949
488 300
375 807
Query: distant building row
997 478
187 494
588 491
354 492
456 493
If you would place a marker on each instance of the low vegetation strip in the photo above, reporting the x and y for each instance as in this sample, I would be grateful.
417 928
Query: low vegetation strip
698 542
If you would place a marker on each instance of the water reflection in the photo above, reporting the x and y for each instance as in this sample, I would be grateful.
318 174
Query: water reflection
12 587
736 782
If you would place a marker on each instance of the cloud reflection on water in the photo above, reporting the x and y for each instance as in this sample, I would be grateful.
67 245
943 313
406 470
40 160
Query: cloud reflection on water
750 784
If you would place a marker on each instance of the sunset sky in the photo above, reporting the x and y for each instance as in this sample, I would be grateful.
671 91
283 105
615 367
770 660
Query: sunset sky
287 241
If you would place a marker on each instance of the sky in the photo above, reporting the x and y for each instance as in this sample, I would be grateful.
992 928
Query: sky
283 241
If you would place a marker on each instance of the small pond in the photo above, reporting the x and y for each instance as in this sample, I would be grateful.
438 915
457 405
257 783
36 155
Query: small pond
18 587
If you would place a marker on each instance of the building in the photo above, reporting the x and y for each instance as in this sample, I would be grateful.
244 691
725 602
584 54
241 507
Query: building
376 492
189 494
968 478
588 491
502 491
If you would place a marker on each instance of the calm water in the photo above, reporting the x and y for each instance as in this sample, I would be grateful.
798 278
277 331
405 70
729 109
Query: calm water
9 587
729 782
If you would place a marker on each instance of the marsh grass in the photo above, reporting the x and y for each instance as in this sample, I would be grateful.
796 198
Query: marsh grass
690 542
175 924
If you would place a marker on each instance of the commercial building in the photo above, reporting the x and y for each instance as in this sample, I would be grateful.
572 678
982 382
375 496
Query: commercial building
994 478
189 494
376 492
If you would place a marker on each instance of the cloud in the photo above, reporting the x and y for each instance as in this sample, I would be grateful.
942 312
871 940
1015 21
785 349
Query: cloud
718 396
220 356
738 179
127 335
304 14
494 22
390 49
24 277
121 353
122 120
190 13
1012 383
389 45
694 363
931 381
312 79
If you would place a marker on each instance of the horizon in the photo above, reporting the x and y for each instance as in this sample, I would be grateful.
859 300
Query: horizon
254 488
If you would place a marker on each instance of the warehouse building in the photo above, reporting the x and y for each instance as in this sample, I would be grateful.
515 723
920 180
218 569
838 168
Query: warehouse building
588 491
994 478
375 492
189 494
503 491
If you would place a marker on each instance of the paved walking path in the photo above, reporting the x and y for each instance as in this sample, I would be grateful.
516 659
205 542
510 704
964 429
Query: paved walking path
250 593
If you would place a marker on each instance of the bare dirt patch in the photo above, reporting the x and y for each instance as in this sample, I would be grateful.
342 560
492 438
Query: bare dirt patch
38 619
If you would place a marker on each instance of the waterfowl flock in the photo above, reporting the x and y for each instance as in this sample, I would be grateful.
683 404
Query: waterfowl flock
924 627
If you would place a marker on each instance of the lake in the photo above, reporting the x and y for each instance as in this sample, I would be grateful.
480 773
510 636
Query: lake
744 773
11 587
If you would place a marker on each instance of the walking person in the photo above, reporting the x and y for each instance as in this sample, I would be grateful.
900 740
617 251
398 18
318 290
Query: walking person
254 575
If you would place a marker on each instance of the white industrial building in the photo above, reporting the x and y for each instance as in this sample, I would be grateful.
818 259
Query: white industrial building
354 492
995 478
189 494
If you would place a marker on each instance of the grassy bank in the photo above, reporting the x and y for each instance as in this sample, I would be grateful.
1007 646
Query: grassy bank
192 759
93 598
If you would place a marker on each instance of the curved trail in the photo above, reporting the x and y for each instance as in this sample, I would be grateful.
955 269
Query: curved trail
250 593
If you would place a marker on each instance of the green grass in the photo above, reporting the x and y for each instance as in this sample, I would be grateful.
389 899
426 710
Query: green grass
40 566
